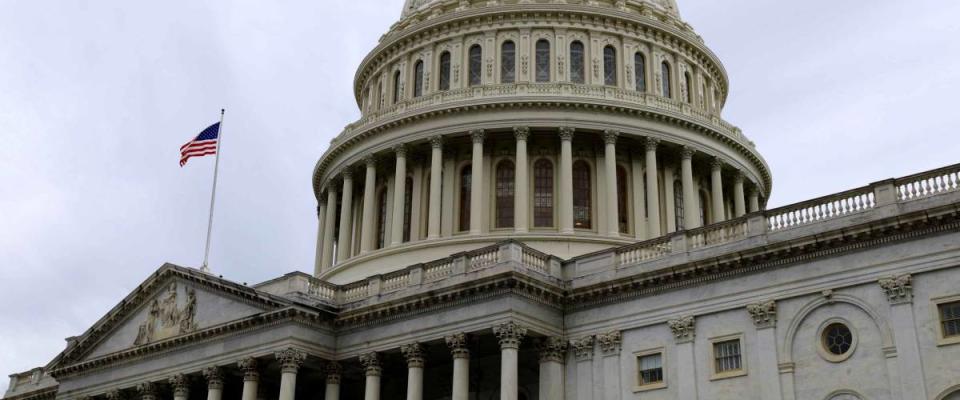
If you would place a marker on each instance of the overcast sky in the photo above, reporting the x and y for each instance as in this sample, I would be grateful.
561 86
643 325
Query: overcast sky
97 97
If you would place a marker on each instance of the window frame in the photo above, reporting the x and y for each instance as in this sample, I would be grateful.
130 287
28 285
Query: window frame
553 193
474 70
582 60
624 204
638 386
687 77
826 354
508 201
640 72
383 204
666 79
742 371
942 339
539 58
588 195
418 71
407 209
610 65
397 78
508 65
445 66
464 193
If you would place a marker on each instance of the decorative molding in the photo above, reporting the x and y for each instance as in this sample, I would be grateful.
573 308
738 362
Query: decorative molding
764 314
566 133
457 343
583 348
371 363
181 385
610 136
250 369
477 135
510 334
334 372
552 349
683 329
290 359
521 132
899 288
716 163
651 143
346 173
370 160
687 152
413 353
214 377
400 150
610 342
436 142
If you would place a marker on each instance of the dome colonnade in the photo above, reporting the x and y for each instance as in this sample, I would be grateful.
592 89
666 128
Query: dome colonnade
594 124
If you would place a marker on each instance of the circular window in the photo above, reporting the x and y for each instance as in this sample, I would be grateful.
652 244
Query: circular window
837 341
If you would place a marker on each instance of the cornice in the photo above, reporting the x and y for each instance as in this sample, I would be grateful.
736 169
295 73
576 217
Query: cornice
48 393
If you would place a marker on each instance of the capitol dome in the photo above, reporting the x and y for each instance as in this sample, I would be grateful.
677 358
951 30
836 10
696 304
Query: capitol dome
595 123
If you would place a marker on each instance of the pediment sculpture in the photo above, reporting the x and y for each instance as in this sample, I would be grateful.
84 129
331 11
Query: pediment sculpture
166 319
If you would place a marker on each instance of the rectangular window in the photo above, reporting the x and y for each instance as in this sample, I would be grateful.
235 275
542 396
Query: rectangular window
726 356
950 319
651 369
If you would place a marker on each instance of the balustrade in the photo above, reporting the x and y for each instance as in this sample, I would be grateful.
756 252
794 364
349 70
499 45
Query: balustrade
930 183
824 208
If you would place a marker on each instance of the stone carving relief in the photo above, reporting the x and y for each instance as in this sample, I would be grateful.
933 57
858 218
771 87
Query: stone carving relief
682 328
166 318
899 289
764 314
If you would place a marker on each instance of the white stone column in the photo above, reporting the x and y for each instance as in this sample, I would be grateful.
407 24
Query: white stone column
739 200
691 208
399 195
290 361
610 347
329 222
521 221
321 221
583 349
639 197
565 195
683 332
146 390
899 291
368 232
346 217
214 378
413 353
510 335
552 351
436 187
764 317
610 170
181 387
653 190
716 190
754 201
461 365
334 372
251 378
477 202
371 366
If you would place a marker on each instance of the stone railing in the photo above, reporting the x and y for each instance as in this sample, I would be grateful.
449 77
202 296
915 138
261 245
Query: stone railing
925 184
823 208
528 91
720 233
643 251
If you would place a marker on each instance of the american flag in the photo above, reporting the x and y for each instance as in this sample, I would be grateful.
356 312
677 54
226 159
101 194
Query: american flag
203 145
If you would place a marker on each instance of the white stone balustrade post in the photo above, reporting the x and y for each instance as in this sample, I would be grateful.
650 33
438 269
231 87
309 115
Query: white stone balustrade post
399 195
346 217
521 221
764 317
583 350
329 222
214 378
899 292
369 228
251 378
334 372
716 189
147 391
181 386
509 335
691 208
683 332
461 365
739 200
290 361
413 353
610 170
565 195
653 190
552 351
436 187
477 202
372 370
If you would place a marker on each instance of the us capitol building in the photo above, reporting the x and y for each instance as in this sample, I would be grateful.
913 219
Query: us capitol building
541 201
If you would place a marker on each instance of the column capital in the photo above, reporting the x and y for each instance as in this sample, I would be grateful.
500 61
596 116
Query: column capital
477 135
610 136
510 334
147 390
521 132
114 395
249 368
716 163
583 348
457 343
180 384
552 349
610 342
371 363
400 150
413 353
370 160
683 329
687 153
334 372
290 359
346 173
899 288
566 133
651 143
764 314
738 177
436 142
214 377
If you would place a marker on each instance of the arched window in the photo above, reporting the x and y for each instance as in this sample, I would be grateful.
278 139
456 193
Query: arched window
418 79
576 63
543 61
582 211
704 206
622 210
609 66
382 219
543 193
466 175
407 208
379 94
640 71
508 62
396 87
476 65
445 70
687 88
505 192
665 78
678 204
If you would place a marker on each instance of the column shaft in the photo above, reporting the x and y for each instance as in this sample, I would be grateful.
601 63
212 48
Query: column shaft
321 221
250 389
332 391
461 378
754 201
551 380
329 222
477 202
436 180
251 378
399 196
288 385
768 370
716 191
691 209
509 381
415 383
686 370
653 191
565 195
908 351
610 170
639 198
372 388
522 190
369 229
739 201
346 217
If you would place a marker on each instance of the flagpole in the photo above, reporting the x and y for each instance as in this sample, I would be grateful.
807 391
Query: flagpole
213 195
